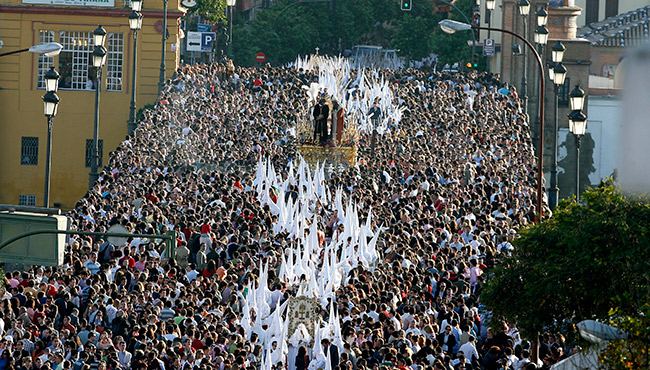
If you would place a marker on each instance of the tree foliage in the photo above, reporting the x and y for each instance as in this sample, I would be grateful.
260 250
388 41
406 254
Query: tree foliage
287 29
212 10
586 260
632 353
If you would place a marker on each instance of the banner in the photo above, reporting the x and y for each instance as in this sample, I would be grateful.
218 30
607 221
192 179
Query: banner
105 3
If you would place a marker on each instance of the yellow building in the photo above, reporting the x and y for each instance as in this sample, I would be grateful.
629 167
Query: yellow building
23 126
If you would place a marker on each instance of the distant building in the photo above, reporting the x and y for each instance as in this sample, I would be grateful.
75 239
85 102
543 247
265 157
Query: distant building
24 23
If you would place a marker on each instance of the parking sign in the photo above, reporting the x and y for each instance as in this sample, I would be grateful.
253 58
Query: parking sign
488 47
206 40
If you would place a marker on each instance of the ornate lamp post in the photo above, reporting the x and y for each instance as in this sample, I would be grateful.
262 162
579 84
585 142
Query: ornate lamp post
578 127
559 75
489 6
524 10
98 60
450 26
50 104
135 23
231 4
161 78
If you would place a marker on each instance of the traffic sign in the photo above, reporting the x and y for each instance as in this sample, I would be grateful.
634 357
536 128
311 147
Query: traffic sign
488 47
202 27
260 57
206 40
194 41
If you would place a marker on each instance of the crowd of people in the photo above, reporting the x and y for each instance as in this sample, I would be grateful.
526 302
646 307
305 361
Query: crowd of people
451 184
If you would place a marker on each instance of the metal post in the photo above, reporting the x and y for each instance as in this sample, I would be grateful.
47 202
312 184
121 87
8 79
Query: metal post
161 80
48 162
578 140
230 34
524 80
132 123
554 193
489 58
540 146
94 160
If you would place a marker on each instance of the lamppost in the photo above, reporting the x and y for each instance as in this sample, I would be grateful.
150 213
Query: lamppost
49 50
99 58
50 102
231 4
450 26
135 23
524 10
161 78
474 39
559 75
489 7
578 127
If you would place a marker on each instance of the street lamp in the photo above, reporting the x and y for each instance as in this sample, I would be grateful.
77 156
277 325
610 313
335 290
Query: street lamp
489 6
161 78
551 72
135 23
557 52
450 26
542 17
578 127
524 10
541 35
50 104
559 75
524 7
98 60
49 50
577 98
231 4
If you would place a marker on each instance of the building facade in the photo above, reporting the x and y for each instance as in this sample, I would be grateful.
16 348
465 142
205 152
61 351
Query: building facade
24 23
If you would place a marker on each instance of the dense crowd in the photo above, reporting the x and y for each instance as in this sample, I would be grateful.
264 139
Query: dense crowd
451 184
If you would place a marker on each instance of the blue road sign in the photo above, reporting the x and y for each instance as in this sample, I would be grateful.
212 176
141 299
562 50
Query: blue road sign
488 47
202 27
207 38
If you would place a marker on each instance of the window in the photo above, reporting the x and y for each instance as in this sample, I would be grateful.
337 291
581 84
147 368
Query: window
611 8
75 61
89 152
563 93
26 200
591 13
44 62
29 151
115 47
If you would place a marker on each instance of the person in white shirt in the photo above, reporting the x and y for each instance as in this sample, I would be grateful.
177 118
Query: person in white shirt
469 350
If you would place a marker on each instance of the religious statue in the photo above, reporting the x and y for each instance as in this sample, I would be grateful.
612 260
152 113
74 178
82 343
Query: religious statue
338 121
320 114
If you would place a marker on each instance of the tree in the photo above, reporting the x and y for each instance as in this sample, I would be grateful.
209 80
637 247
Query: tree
585 261
287 30
212 10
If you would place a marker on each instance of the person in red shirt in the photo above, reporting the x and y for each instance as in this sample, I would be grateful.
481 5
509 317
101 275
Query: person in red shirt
127 257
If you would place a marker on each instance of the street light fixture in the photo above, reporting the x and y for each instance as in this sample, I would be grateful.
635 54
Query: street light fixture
578 127
559 74
50 105
450 26
541 35
542 17
490 4
524 7
99 36
557 52
551 71
577 98
135 24
98 60
49 50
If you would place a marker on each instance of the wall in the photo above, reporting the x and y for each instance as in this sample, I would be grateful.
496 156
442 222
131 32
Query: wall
623 7
21 107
